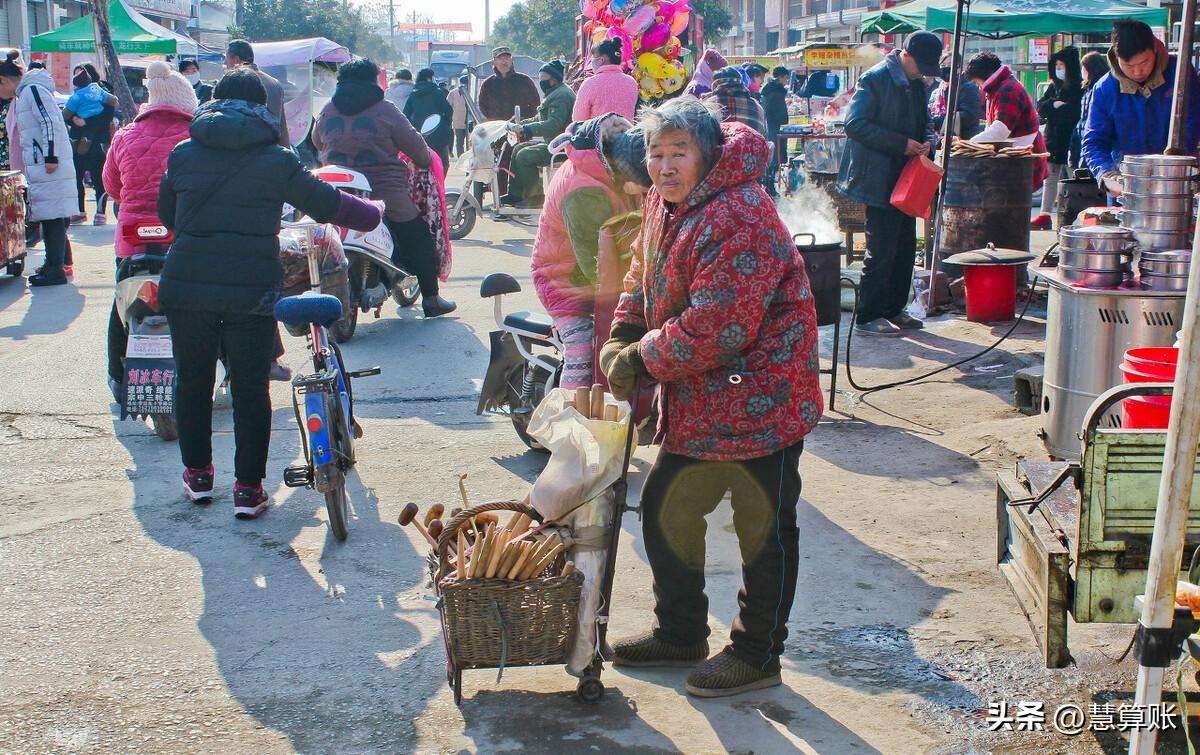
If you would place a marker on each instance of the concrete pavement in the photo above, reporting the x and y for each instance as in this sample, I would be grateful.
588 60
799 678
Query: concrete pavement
133 621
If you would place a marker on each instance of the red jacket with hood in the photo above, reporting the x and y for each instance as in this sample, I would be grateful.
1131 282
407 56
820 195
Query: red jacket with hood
731 329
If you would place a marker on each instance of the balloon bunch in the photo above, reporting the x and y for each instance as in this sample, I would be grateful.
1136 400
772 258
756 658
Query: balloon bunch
648 31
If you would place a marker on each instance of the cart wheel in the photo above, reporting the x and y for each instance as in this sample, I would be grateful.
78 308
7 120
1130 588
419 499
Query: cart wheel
590 689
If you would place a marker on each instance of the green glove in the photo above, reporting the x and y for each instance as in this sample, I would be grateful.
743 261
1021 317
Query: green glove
623 370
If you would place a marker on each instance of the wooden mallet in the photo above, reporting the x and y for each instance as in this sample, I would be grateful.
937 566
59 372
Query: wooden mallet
409 516
435 512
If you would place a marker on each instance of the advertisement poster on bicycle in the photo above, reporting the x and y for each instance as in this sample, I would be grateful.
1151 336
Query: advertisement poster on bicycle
149 386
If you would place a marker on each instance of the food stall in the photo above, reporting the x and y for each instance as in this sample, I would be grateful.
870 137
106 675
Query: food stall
306 68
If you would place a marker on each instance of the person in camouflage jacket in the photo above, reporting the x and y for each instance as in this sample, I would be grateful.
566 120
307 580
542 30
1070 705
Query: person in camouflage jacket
553 117
719 310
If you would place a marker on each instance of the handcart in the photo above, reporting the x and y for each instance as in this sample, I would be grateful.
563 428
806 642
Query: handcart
503 623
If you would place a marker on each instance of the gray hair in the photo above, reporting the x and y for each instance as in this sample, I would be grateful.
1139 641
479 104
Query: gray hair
700 118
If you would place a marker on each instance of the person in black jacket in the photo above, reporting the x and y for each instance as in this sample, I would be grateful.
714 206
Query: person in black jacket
774 102
1095 67
1059 109
222 195
191 71
887 125
428 99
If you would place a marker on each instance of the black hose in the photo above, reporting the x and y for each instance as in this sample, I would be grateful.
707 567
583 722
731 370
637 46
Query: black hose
909 381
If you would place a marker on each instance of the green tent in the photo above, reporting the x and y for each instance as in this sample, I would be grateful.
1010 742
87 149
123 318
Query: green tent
132 33
1012 18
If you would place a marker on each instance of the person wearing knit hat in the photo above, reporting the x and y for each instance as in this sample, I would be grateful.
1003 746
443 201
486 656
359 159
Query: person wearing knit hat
701 83
553 116
134 167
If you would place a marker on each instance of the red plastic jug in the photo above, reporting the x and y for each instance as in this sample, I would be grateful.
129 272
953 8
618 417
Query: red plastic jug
918 183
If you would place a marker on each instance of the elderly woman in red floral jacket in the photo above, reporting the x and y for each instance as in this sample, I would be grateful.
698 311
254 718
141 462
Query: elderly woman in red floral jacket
719 311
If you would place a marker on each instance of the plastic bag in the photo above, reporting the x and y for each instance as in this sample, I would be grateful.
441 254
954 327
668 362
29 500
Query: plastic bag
918 183
586 455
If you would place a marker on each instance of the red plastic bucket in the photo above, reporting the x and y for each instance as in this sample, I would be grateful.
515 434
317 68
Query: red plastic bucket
991 292
1148 365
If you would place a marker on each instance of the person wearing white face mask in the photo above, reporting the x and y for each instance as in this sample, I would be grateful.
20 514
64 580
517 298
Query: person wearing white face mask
191 71
1059 110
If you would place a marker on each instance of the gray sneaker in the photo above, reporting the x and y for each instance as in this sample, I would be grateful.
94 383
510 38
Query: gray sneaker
879 327
725 674
905 321
646 650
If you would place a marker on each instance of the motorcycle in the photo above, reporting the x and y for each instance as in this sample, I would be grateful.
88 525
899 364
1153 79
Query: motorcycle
482 166
373 277
147 389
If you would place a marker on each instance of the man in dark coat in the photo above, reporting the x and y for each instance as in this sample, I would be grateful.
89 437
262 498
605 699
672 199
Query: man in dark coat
1059 109
506 89
774 102
533 154
240 53
428 99
887 125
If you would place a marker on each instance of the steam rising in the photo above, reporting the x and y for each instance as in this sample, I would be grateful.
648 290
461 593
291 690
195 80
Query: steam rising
810 210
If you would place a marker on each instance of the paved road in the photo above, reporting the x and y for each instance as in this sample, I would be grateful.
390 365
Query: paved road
131 620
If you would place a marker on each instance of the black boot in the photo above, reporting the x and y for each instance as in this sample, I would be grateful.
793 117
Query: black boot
436 306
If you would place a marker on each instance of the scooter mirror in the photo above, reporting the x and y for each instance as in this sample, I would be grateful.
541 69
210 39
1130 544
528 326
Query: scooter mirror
430 125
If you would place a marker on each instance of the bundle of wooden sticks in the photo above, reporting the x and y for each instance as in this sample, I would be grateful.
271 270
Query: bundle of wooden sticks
983 149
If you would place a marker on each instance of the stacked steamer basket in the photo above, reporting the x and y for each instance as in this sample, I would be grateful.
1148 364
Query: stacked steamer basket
1157 206
1095 256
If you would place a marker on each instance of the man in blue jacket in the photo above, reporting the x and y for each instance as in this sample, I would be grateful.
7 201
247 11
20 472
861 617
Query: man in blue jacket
888 123
1130 111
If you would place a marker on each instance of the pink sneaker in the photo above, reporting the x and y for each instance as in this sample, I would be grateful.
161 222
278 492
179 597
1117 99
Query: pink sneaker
198 484
249 501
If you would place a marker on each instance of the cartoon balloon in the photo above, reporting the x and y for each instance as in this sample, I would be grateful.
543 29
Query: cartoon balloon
653 65
624 7
656 36
587 8
671 49
650 89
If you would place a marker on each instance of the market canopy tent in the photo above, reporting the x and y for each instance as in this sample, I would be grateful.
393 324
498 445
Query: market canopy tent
132 33
1012 18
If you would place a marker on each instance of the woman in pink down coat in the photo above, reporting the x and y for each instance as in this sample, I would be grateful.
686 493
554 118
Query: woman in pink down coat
138 156
609 89
134 167
583 194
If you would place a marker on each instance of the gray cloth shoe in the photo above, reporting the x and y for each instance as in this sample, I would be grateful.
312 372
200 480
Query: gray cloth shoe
725 674
879 327
646 650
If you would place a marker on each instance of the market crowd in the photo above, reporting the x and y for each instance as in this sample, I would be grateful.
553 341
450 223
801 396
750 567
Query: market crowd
714 313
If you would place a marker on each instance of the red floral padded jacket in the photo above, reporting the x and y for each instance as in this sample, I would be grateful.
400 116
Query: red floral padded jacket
731 328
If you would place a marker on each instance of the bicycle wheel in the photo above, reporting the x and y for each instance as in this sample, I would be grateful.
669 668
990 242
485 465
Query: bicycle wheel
335 504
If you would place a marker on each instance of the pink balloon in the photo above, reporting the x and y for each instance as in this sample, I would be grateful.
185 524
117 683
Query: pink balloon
679 21
640 20
656 36
587 8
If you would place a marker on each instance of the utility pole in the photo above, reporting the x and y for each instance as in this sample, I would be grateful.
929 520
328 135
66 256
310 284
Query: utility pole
392 22
487 21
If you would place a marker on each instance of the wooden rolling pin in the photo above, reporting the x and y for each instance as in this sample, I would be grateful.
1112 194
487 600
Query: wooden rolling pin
596 408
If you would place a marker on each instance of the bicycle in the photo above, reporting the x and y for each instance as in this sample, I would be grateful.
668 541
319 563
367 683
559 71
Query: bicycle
327 425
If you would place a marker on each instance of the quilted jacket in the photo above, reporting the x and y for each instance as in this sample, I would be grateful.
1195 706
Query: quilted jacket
731 330
580 198
137 160
37 136
608 90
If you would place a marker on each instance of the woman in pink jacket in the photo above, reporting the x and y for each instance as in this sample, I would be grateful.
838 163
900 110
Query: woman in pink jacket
584 193
609 89
135 165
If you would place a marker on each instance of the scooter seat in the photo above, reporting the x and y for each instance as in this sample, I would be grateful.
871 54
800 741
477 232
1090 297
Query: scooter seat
530 323
308 308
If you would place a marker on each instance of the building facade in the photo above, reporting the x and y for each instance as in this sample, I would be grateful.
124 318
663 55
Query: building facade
759 26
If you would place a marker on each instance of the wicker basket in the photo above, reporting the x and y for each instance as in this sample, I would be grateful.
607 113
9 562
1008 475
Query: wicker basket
489 623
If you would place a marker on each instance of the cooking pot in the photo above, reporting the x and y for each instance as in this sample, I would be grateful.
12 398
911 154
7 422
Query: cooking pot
1162 222
1177 187
1171 262
1148 239
1164 282
1095 238
822 262
1092 278
1085 260
1177 166
1179 205
823 154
